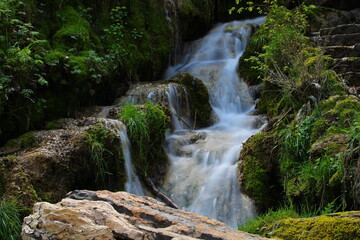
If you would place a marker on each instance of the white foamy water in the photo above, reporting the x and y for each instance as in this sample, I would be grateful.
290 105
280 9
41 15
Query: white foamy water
203 174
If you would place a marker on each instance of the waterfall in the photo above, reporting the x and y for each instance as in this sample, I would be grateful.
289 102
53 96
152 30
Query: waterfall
203 174
132 184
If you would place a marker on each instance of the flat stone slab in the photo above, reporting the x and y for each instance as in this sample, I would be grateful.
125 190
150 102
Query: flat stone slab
345 65
342 39
107 215
343 51
341 29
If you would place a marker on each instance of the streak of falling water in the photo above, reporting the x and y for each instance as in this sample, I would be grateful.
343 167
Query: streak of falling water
132 184
203 175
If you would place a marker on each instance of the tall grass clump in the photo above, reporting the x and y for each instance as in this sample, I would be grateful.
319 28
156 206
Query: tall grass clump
146 125
95 137
10 224
263 223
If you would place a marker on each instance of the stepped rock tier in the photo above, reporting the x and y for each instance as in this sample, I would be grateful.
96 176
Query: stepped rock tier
107 215
342 42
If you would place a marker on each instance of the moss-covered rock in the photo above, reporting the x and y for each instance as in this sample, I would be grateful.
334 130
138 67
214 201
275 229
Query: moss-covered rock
333 116
258 170
198 98
25 141
338 226
62 160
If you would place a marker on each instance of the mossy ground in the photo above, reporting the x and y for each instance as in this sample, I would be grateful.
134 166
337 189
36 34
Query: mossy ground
334 226
288 225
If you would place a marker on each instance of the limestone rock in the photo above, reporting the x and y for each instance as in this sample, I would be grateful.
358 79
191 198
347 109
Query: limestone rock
107 215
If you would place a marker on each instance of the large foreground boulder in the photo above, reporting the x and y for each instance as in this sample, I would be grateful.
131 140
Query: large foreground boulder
107 215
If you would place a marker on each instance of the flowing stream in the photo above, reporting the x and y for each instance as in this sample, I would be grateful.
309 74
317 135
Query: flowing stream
203 174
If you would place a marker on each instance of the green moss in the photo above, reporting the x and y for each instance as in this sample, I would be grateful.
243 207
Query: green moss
53 125
24 141
319 129
334 115
258 170
314 155
75 32
198 98
53 58
195 18
333 226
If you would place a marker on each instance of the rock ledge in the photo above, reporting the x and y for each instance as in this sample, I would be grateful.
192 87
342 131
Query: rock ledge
107 215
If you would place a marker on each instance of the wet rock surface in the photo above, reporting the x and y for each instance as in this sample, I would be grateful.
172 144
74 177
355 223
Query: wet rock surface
107 215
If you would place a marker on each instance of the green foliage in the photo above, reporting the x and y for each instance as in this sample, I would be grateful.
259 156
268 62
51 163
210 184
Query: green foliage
10 224
314 154
262 7
322 179
89 46
21 68
281 55
272 224
146 125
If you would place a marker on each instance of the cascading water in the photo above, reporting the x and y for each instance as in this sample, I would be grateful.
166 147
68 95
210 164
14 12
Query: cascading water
132 184
203 175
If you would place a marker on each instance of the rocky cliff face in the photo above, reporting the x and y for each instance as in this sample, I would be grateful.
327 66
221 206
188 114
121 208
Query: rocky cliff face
106 215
